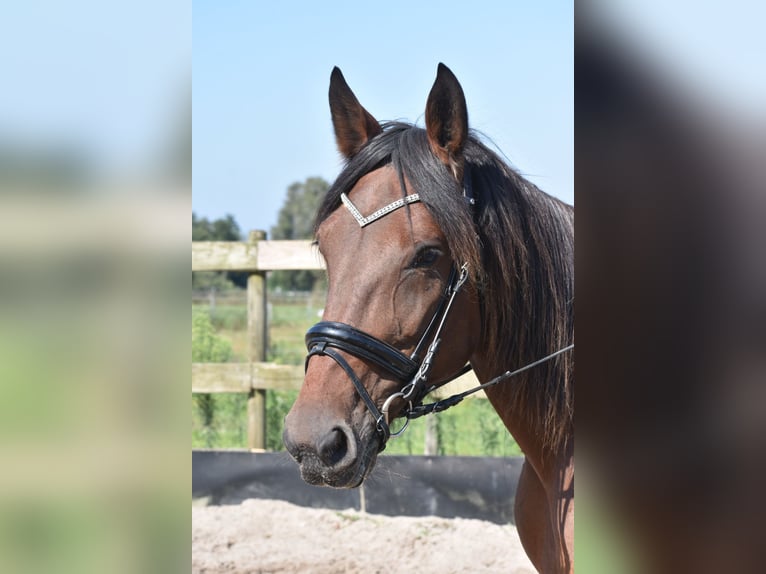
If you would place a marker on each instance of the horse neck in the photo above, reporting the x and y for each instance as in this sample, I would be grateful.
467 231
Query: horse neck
526 430
530 315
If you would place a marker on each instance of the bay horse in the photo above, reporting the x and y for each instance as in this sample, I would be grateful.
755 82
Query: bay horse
440 255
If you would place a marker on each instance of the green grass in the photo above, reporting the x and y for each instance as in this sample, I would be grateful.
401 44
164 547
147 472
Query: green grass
287 327
471 428
228 317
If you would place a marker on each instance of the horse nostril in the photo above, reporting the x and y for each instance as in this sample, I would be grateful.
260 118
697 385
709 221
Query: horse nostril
333 447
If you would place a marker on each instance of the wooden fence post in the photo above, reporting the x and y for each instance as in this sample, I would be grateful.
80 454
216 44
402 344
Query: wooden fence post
257 345
431 442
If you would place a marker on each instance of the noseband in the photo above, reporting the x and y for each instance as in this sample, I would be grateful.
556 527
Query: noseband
328 337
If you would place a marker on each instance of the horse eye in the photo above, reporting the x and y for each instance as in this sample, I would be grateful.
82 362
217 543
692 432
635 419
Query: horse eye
425 258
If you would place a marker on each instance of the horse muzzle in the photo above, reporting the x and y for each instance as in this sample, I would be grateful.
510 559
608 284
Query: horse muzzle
335 456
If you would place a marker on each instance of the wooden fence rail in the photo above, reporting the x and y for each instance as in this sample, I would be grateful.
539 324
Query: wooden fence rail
258 256
255 255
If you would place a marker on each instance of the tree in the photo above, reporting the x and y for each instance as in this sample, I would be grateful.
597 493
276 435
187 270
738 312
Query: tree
296 221
224 229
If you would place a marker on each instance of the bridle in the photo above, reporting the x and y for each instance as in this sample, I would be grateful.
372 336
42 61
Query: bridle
327 338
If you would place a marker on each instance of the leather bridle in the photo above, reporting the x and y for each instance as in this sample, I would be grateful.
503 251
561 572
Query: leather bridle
327 338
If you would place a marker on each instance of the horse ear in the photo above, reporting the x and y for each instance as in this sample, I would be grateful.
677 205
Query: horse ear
447 120
354 125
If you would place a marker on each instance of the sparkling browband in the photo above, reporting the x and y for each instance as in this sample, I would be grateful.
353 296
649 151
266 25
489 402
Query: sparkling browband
393 206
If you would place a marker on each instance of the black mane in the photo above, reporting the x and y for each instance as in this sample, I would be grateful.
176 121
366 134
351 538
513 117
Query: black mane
519 244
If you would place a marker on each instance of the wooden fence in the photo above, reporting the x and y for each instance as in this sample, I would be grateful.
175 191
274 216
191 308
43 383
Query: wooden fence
257 256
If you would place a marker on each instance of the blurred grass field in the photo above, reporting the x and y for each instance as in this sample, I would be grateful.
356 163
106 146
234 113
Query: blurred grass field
470 429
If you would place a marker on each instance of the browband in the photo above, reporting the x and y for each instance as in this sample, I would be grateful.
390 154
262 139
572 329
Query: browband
402 201
393 206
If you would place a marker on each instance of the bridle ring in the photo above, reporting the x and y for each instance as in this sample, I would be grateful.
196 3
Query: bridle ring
384 412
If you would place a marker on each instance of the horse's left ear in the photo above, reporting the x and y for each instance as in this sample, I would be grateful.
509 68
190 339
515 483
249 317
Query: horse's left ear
354 126
447 120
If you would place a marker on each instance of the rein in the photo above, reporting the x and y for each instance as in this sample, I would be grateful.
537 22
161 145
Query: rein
442 405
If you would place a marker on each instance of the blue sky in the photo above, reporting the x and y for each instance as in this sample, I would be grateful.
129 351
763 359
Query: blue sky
110 81
261 72
106 80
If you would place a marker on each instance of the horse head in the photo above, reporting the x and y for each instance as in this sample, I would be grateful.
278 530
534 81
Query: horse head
391 273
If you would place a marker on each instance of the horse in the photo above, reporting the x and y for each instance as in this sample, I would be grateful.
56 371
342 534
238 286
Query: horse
439 256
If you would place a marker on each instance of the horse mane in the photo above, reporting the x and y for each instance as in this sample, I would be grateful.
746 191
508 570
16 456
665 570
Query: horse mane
519 244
